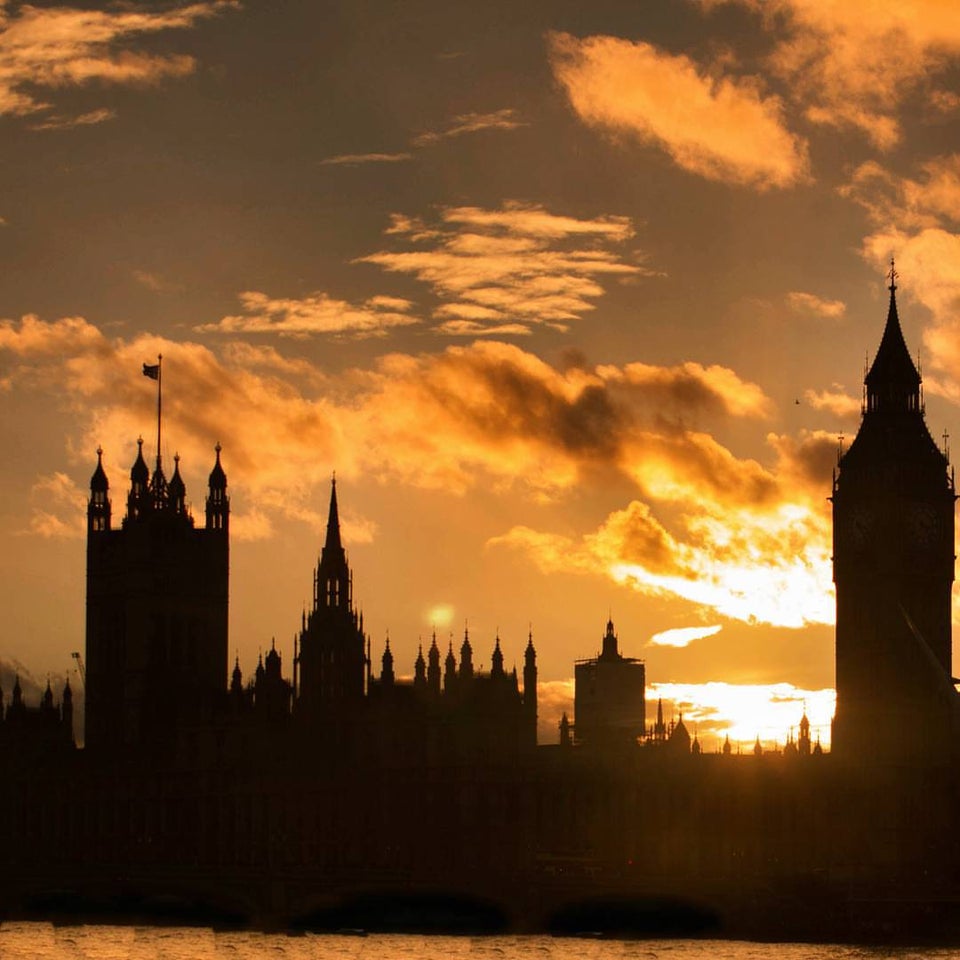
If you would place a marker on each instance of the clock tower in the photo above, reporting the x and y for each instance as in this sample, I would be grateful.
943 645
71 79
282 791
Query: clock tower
893 518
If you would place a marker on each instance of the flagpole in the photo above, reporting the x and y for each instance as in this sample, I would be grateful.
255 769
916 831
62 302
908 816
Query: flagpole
159 402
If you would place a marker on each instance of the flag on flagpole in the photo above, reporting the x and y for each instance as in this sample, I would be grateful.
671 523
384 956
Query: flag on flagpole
152 370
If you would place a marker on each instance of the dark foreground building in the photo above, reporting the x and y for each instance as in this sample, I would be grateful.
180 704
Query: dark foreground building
343 796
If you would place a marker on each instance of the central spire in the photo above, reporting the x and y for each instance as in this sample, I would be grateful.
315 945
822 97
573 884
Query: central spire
333 541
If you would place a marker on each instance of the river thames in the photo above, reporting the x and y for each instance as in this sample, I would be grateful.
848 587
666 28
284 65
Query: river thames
43 941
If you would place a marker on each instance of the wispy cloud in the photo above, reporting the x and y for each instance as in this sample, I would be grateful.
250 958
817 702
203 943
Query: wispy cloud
509 269
313 315
465 123
48 48
81 120
812 305
359 159
722 128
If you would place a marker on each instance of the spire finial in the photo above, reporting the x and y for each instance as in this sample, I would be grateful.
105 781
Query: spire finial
892 275
333 541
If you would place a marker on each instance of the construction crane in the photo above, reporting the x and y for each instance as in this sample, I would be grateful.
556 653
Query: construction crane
80 667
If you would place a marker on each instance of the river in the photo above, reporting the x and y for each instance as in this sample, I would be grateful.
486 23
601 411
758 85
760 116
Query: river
44 941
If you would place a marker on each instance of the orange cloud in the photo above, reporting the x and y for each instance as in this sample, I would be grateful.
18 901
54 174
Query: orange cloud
729 534
850 67
692 388
915 220
57 507
54 47
904 203
490 411
929 266
719 128
509 269
836 402
749 543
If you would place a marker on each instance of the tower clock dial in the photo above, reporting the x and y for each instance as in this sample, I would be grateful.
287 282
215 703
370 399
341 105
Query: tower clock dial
923 523
857 529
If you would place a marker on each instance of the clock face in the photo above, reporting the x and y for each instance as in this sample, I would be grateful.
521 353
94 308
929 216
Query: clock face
923 523
857 527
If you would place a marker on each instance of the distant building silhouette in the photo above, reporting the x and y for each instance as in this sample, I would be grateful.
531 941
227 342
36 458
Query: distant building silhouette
609 696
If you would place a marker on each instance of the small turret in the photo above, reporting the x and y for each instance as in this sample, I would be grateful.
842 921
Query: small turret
386 666
611 649
450 670
496 660
176 489
218 503
98 507
803 744
433 668
272 665
660 728
530 686
420 670
680 738
137 498
466 657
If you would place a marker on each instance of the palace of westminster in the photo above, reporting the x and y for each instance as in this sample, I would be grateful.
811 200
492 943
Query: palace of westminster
287 798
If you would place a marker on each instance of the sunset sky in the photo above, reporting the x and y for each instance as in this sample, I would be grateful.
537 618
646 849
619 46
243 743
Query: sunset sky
575 302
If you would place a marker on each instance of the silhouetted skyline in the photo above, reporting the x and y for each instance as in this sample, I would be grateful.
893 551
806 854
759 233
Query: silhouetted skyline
574 352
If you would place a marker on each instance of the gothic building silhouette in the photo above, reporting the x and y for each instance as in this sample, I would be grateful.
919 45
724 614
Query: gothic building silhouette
157 602
299 796
893 542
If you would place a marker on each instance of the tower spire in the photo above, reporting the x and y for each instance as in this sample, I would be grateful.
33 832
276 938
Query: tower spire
893 381
333 541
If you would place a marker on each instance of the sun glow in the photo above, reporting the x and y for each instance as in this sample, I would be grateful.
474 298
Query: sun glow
744 712
682 636
440 615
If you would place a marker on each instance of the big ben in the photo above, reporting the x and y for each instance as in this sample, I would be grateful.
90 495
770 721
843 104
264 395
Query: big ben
893 542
